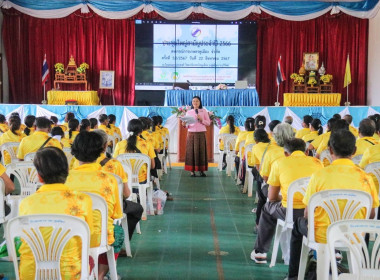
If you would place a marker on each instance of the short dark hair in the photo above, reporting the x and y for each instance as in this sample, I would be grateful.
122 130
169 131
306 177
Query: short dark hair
307 119
337 117
348 118
51 164
111 118
273 124
367 127
339 124
260 121
69 116
57 131
103 118
2 118
249 124
42 123
261 135
87 146
294 144
93 122
54 119
342 142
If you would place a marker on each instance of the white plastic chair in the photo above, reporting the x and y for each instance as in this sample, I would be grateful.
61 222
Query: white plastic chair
27 176
11 149
47 257
30 156
374 168
351 234
123 221
68 155
325 154
146 189
112 139
248 182
99 204
284 227
117 137
166 155
240 170
328 200
221 153
229 141
357 159
2 199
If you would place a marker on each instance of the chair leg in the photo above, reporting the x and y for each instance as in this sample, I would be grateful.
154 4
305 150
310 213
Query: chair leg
323 263
170 162
111 263
245 186
127 243
149 197
250 185
95 258
276 244
285 245
303 262
138 229
142 193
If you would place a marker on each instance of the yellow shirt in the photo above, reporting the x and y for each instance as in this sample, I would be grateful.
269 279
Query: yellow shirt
241 137
354 131
363 143
73 135
248 140
302 132
257 153
340 174
112 166
4 127
273 153
226 130
324 143
144 148
90 178
115 129
164 131
66 142
151 139
106 129
286 170
2 169
56 199
370 155
376 136
310 136
157 135
32 143
7 137
318 140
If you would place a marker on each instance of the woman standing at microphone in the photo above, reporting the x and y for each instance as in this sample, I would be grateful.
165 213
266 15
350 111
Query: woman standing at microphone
196 148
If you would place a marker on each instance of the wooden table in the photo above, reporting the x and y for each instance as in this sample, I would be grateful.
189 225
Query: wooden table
182 135
70 82
312 99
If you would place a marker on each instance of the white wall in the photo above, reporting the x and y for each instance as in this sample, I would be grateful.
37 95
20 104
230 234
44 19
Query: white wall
373 81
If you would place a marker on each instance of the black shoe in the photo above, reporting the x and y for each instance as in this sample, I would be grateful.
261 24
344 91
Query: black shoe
224 166
202 174
193 175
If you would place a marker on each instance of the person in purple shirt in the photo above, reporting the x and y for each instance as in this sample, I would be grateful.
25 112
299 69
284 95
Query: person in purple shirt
196 148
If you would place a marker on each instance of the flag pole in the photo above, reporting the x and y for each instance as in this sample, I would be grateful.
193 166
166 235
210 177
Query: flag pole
278 93
44 101
347 103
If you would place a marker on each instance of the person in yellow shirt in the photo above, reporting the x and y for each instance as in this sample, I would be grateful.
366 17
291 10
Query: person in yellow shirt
53 197
54 123
261 142
69 116
30 125
57 133
94 124
150 137
3 124
113 127
249 126
376 119
316 129
89 177
341 174
12 135
348 119
229 128
103 119
367 129
135 144
9 188
284 171
38 140
164 131
73 130
271 126
305 127
85 125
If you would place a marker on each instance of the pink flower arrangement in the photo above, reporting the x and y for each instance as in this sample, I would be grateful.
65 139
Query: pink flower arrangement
215 119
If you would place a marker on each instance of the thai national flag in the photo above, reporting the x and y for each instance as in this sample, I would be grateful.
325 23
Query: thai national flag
280 73
45 71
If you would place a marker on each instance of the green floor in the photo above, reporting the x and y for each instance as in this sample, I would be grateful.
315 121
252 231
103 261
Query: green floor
207 215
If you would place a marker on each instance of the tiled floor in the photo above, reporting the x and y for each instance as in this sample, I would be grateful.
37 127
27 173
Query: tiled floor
207 215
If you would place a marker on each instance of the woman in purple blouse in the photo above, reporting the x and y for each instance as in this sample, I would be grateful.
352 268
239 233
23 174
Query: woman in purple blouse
196 148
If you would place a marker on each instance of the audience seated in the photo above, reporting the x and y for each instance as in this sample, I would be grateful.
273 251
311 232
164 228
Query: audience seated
3 124
9 187
73 130
229 128
271 126
85 125
316 129
103 119
348 119
372 153
12 135
55 198
112 126
89 177
30 125
57 133
305 127
367 129
93 123
341 174
68 117
38 139
284 171
242 136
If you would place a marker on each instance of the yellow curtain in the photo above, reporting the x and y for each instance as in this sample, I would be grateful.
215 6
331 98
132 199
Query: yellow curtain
57 97
312 99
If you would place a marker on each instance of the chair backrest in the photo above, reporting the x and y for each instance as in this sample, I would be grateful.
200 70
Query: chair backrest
2 199
247 150
47 255
26 174
229 142
134 162
328 200
366 265
68 155
11 149
297 186
112 139
99 204
325 154
241 145
120 187
30 156
374 168
117 137
357 159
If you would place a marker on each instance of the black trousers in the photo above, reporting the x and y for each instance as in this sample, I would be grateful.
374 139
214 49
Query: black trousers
134 212
262 191
298 232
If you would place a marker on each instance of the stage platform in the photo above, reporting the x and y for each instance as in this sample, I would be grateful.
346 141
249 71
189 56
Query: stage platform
59 97
125 113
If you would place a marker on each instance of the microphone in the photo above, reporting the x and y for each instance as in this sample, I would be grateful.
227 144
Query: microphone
196 111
